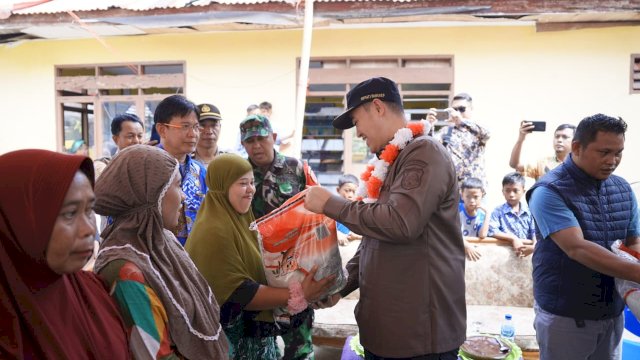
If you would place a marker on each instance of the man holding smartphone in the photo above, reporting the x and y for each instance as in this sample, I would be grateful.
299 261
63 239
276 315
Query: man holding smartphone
463 138
562 137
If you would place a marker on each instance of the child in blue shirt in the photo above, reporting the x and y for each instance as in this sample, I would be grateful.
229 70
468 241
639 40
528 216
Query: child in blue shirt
472 215
347 186
512 221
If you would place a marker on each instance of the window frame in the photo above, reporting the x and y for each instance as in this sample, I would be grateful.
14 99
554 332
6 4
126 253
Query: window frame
436 69
89 89
634 75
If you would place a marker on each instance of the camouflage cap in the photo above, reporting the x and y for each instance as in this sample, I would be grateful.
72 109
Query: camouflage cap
255 125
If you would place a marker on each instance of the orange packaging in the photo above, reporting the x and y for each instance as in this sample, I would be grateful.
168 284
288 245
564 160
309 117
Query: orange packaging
294 239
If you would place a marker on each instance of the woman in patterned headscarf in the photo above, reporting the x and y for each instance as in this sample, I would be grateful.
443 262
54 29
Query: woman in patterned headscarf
166 304
49 309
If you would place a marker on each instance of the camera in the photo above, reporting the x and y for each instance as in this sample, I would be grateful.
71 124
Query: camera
442 114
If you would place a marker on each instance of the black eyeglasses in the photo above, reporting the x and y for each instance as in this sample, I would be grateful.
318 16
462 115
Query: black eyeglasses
460 108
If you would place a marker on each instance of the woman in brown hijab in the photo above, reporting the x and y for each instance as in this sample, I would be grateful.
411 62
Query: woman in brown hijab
49 309
167 306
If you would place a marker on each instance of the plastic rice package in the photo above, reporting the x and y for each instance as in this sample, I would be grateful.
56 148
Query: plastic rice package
293 240
628 290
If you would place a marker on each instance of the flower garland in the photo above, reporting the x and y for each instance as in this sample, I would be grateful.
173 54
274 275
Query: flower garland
377 169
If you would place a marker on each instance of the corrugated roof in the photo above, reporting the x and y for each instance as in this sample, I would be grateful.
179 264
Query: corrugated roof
57 6
60 6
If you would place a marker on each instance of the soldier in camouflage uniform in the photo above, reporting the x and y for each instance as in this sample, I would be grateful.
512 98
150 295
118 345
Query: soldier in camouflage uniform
277 178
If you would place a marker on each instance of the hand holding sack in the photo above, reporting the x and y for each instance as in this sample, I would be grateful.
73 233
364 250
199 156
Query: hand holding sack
628 290
293 240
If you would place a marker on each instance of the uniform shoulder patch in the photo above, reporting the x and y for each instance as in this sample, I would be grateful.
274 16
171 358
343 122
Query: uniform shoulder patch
412 175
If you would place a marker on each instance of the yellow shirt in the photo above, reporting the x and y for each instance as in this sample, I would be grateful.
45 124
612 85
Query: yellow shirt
541 167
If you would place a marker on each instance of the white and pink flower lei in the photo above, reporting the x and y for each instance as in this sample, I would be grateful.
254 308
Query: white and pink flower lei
377 169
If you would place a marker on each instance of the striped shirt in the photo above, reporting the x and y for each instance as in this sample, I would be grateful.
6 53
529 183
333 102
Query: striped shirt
144 316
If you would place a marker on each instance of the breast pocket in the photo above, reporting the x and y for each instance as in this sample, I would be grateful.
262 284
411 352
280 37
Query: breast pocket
287 184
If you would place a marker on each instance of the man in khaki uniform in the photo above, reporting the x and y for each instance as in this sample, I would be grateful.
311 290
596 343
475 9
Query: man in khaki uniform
410 267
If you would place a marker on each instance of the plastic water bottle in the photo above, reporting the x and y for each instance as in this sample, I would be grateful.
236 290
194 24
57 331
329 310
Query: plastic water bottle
508 331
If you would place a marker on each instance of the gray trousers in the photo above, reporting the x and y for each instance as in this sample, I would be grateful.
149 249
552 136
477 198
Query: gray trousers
560 337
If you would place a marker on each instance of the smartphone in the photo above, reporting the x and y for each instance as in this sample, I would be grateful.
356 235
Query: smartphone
442 115
538 125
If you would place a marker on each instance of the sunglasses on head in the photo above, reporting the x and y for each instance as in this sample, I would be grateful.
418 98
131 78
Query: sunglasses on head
460 108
